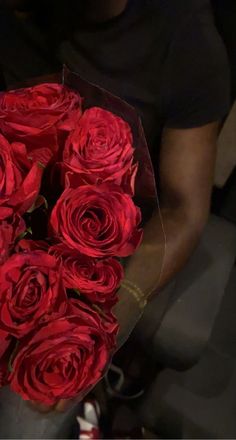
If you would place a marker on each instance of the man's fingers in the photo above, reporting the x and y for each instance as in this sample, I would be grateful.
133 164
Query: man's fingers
41 407
65 404
61 406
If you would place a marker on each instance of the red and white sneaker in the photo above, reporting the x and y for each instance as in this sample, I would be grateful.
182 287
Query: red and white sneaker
89 423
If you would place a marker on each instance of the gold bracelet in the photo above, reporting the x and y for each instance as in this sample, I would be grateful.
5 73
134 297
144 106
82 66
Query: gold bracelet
134 286
136 292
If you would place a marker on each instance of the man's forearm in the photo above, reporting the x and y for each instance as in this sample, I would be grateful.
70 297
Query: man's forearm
167 244
186 170
166 247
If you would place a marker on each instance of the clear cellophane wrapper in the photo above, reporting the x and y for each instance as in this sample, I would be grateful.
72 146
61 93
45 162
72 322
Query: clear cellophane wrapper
142 270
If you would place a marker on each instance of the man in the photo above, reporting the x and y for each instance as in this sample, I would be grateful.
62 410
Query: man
167 60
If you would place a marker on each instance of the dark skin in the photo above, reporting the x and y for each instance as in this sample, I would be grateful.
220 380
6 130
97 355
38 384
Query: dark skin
103 10
186 170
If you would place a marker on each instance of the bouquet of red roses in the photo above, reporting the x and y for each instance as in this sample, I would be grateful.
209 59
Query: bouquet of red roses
68 177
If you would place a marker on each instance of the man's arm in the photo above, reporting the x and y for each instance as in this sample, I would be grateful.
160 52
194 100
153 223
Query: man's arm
187 165
186 172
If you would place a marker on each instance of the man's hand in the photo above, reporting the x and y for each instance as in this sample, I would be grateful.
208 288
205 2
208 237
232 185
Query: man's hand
61 406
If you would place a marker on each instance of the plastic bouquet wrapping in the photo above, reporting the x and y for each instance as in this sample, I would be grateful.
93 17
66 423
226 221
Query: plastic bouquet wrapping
76 187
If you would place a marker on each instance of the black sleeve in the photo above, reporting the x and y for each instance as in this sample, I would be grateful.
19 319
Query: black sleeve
197 80
2 81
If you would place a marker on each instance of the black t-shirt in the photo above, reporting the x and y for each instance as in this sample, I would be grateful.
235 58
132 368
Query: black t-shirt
165 57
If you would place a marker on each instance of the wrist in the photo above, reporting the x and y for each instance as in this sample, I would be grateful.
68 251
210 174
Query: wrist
128 312
136 292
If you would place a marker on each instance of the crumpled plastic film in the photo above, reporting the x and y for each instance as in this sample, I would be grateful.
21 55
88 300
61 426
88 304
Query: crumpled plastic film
144 268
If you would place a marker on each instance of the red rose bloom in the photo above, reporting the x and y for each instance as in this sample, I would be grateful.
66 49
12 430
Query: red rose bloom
20 178
64 358
97 221
34 115
98 280
26 245
99 150
30 290
107 321
10 228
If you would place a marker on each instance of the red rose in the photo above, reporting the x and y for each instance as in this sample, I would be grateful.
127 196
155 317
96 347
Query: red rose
34 115
5 352
64 358
20 179
98 280
30 290
99 150
25 245
107 321
10 228
97 221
